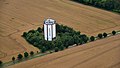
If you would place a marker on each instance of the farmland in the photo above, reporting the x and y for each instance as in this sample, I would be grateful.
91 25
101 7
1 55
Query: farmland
18 16
101 54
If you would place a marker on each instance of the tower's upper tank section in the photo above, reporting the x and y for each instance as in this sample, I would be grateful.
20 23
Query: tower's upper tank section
49 21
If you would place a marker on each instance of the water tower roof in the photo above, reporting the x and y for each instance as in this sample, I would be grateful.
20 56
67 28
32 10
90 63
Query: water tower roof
49 21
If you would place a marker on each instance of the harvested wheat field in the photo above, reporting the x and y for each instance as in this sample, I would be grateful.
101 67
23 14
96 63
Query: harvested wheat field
17 16
99 54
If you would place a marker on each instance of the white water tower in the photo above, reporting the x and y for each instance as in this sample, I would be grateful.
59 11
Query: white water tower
49 29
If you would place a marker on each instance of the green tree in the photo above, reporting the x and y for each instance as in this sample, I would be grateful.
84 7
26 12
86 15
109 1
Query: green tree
39 29
26 54
43 49
31 53
105 35
112 5
20 56
100 35
76 39
24 34
56 49
61 47
84 38
32 31
113 32
92 38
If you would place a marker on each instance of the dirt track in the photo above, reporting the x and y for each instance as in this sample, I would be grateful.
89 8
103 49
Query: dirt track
17 16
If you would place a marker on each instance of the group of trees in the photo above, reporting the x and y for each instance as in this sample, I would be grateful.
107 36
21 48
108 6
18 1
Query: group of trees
20 56
100 35
66 37
104 35
112 5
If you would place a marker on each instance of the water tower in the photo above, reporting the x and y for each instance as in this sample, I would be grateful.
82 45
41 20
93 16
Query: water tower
49 29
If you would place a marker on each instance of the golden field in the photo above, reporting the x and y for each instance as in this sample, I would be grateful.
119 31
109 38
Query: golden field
17 16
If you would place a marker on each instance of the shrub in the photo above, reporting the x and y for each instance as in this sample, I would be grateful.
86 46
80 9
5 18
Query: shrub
56 49
20 56
61 47
24 34
31 53
26 54
113 32
43 49
100 35
39 29
13 58
92 38
105 35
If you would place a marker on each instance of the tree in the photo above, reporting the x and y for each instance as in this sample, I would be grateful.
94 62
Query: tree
24 34
66 37
100 35
1 62
113 32
31 53
105 4
43 49
20 56
84 38
39 30
76 39
56 49
61 47
31 31
13 59
92 38
26 54
105 35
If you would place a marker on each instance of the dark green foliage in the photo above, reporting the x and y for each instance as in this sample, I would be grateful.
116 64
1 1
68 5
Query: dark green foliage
61 47
66 37
92 38
76 39
100 35
24 34
84 38
39 29
112 5
105 35
113 32
56 49
13 58
31 53
26 54
43 49
1 62
20 56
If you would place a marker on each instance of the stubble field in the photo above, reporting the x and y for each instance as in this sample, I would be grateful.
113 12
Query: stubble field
17 16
